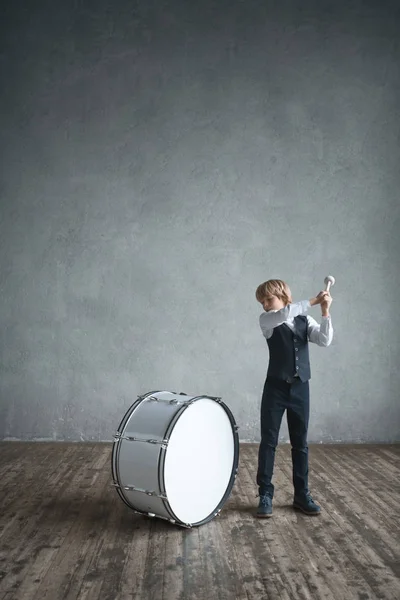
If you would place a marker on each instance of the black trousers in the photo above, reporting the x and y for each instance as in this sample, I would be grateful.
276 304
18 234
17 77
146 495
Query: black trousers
277 397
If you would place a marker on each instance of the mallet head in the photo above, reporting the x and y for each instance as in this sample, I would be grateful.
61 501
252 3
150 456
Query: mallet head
330 280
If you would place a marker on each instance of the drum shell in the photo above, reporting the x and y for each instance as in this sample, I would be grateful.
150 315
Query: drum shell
140 463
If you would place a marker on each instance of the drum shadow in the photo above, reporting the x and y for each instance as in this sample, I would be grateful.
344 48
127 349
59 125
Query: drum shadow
89 512
91 515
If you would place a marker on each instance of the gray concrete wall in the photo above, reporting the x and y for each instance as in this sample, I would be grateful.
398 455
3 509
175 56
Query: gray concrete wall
159 161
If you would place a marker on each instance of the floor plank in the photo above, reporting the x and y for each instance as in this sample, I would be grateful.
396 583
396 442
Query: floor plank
66 535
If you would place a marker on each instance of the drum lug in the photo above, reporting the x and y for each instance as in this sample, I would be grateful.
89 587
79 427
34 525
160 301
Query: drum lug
155 399
153 515
172 402
163 443
216 398
131 438
148 493
133 488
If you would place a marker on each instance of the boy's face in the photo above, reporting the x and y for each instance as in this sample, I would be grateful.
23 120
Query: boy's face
271 302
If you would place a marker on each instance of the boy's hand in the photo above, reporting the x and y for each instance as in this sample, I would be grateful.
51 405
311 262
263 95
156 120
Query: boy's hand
325 304
319 298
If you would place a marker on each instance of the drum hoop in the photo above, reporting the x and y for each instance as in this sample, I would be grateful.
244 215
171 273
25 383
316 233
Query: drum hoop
161 470
161 459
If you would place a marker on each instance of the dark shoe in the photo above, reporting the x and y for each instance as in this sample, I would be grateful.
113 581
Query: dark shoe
306 504
264 507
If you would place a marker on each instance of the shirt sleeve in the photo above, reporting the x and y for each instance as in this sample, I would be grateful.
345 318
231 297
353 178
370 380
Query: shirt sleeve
320 334
273 318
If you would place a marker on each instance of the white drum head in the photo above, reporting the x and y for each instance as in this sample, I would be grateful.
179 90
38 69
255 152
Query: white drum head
199 461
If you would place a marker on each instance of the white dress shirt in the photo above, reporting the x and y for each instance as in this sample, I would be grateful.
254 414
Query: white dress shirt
321 334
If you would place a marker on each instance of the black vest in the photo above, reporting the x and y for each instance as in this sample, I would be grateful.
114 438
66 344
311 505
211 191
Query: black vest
288 351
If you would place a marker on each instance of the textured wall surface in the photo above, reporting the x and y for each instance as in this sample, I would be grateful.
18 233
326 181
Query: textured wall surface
159 161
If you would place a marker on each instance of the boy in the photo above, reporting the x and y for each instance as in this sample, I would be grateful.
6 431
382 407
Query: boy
288 329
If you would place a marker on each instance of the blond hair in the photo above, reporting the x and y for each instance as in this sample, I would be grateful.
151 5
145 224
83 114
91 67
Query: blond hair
274 287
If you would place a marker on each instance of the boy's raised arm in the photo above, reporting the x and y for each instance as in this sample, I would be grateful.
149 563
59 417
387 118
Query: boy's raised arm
274 318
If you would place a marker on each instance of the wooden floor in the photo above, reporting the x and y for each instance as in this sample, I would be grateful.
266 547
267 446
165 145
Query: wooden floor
66 534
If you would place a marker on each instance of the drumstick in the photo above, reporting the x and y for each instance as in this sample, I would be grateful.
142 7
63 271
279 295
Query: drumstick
328 281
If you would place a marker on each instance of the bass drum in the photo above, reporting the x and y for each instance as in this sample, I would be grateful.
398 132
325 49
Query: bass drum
176 457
